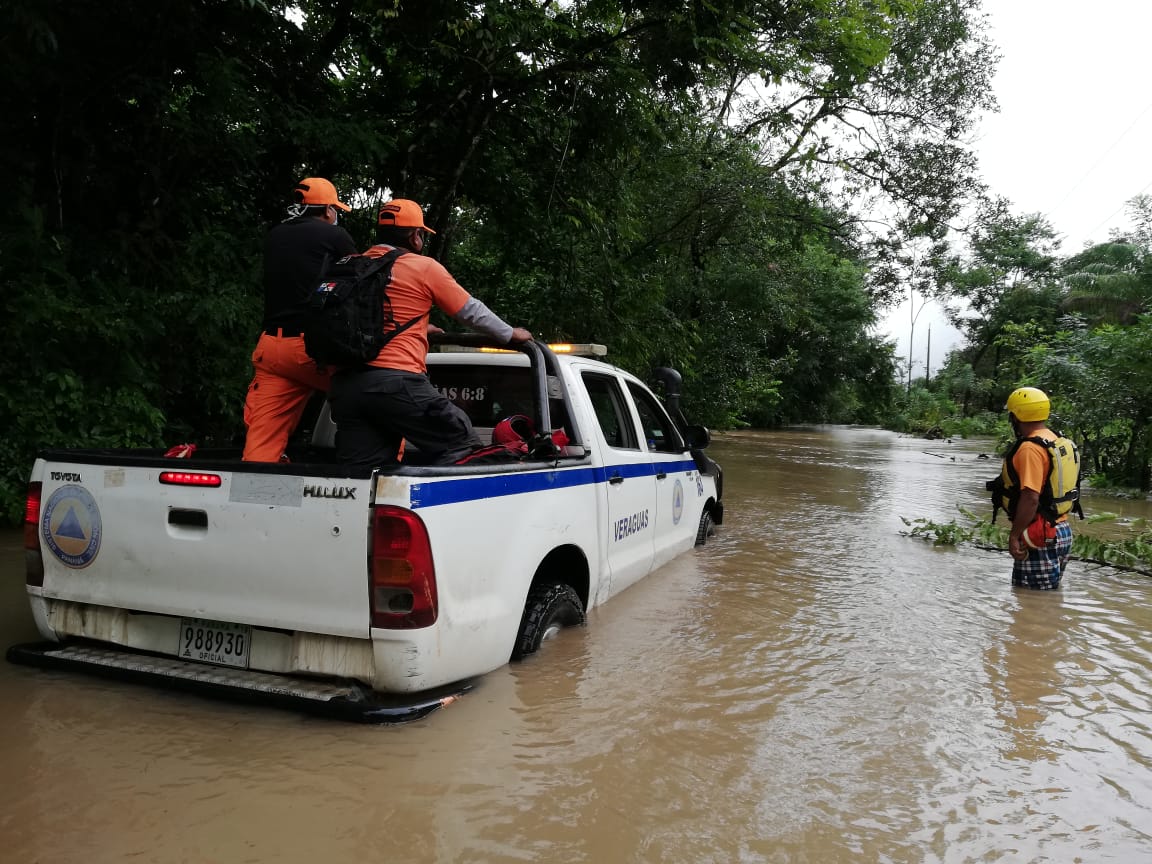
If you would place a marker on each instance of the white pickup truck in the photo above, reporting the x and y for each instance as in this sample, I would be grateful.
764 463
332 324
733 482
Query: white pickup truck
369 595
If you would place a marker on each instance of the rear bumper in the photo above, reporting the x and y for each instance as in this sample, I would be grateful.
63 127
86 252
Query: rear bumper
334 698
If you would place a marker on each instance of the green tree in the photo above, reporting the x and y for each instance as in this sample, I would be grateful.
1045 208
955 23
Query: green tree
1005 280
1101 381
618 172
1109 282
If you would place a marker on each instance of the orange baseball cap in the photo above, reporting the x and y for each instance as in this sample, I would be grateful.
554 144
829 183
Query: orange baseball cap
318 192
402 213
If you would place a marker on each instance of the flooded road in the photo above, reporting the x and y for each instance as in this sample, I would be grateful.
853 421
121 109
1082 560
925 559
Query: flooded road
810 687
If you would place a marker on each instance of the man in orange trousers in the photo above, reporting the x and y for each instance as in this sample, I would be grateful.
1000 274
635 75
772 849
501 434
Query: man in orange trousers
296 253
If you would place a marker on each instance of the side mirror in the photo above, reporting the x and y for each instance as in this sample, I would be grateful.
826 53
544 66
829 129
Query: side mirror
697 437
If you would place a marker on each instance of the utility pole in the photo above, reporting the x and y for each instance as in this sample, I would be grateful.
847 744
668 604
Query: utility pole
913 313
928 357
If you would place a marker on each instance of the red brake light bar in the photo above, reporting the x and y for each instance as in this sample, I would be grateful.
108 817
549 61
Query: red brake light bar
189 478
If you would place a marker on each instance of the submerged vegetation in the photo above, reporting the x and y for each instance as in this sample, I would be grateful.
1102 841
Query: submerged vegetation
1132 552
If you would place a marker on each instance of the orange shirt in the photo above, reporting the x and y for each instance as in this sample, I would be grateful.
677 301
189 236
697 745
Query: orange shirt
1032 463
418 284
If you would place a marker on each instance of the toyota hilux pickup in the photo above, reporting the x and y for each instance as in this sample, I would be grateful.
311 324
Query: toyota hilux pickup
372 595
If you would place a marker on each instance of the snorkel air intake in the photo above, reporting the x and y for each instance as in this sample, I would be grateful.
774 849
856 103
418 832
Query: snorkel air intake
672 382
696 437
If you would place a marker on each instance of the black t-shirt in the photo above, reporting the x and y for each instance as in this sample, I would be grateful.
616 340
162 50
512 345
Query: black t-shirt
295 254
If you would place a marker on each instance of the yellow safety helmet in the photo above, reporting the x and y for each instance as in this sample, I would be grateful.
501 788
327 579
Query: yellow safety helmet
1029 404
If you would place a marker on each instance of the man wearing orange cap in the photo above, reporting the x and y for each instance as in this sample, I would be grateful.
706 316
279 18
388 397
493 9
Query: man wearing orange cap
296 252
391 399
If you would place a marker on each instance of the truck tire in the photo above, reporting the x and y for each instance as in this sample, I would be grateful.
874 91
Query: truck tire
549 607
707 528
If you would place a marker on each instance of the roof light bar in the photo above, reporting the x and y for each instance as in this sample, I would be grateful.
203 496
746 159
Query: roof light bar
578 349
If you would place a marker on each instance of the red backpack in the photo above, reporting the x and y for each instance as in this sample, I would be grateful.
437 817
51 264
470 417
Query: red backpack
513 439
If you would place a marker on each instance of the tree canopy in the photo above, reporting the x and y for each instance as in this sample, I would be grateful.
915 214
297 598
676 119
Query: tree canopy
689 182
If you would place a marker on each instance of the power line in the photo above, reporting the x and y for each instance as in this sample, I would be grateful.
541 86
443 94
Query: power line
1118 209
1099 160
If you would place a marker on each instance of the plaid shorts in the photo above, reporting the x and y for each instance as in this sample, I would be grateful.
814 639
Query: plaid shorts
1043 568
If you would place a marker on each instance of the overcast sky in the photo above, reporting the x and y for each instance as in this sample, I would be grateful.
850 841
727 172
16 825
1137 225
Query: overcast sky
1073 137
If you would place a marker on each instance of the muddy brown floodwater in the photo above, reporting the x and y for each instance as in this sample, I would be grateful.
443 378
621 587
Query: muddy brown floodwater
810 687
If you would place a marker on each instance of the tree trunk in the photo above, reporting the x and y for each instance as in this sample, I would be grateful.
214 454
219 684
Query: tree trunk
1136 456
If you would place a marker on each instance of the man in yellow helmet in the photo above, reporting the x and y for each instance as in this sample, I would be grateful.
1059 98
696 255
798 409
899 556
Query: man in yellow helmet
1041 538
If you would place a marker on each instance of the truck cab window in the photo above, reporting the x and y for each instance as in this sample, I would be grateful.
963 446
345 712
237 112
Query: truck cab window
487 394
611 412
659 431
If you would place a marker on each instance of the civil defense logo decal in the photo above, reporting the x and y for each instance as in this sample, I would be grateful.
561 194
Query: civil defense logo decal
70 524
677 503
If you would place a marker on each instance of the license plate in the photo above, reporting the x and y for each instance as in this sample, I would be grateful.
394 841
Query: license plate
214 642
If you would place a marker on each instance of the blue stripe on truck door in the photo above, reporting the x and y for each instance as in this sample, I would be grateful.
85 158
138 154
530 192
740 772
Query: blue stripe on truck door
436 493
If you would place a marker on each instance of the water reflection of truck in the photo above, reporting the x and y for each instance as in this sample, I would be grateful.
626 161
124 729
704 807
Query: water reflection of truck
374 595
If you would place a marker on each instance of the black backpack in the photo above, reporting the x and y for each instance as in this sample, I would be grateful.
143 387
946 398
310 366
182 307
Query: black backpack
349 317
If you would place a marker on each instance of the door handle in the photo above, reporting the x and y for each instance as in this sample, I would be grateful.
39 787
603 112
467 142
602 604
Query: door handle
661 475
187 518
615 479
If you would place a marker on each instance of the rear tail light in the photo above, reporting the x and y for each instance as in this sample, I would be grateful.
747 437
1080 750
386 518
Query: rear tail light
33 560
402 580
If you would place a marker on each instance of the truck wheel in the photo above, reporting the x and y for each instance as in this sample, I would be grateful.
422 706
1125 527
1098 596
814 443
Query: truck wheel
549 608
707 528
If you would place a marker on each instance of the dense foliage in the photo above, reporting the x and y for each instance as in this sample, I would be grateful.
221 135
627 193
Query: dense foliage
684 181
1078 327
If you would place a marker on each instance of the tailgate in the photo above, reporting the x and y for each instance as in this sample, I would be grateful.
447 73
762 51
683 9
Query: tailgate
271 550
